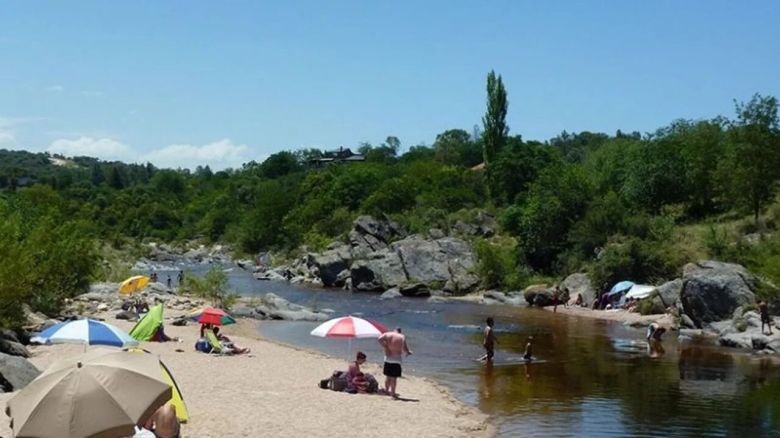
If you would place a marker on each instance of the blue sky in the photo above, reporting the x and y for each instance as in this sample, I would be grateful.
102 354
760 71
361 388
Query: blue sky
188 83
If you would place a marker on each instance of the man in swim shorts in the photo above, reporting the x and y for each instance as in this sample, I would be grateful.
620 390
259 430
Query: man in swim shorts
394 344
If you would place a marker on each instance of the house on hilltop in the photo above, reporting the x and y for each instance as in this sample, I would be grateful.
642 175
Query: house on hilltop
342 155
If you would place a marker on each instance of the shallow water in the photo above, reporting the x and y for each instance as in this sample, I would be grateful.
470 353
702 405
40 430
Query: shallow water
591 378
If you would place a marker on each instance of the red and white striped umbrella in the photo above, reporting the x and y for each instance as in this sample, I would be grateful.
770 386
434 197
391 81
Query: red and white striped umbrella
349 327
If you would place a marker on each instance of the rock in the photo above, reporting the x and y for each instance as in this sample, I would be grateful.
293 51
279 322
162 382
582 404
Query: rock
243 312
579 284
331 263
126 315
692 333
538 295
669 292
774 345
390 294
423 260
13 348
276 307
16 372
759 341
736 340
36 321
415 290
384 231
436 233
752 319
686 321
102 307
382 270
713 290
103 288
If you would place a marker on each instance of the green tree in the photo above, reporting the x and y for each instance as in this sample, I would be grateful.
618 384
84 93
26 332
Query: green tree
753 166
494 125
451 145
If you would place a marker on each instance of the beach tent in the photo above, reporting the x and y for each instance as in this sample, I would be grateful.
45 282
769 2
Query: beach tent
176 398
640 291
147 328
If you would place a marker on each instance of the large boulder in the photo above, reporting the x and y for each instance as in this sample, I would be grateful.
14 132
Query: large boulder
579 284
669 292
424 260
331 263
15 372
382 270
461 265
711 291
276 307
538 295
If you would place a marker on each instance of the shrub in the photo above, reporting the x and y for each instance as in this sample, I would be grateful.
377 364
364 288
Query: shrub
636 260
497 264
213 286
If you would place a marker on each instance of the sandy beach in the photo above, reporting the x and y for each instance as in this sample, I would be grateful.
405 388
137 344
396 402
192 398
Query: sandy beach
273 392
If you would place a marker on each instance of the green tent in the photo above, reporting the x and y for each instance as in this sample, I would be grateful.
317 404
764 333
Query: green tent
147 327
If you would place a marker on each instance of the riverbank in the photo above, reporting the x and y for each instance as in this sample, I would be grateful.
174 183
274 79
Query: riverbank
619 315
273 392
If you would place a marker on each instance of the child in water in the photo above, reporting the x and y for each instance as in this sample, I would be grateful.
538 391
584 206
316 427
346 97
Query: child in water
529 350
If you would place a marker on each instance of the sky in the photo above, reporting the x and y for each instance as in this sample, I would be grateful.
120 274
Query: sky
182 84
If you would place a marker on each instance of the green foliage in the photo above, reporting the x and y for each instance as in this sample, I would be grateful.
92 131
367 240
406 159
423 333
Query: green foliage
497 265
494 125
634 259
46 257
213 286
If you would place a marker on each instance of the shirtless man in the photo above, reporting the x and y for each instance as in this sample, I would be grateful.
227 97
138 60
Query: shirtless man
394 344
163 422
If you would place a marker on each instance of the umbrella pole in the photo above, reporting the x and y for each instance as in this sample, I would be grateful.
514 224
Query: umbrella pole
349 348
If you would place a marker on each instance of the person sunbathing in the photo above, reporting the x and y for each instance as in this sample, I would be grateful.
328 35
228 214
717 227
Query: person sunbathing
227 344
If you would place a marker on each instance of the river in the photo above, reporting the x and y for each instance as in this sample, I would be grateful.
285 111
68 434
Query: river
591 378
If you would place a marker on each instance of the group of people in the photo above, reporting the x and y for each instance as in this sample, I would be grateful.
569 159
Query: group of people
179 279
489 342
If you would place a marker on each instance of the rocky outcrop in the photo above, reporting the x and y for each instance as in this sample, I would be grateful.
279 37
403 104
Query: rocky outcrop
15 373
669 292
579 284
330 264
711 291
376 260
273 306
538 295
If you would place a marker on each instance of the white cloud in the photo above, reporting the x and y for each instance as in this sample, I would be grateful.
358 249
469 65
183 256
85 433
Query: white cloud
217 155
55 89
7 138
103 148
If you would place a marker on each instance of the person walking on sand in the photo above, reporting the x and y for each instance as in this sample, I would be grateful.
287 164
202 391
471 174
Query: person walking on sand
394 344
489 341
169 281
763 308
180 279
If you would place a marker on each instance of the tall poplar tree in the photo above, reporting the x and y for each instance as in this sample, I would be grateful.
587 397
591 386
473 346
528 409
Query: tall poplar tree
494 122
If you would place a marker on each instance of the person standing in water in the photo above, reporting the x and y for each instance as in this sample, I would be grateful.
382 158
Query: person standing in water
489 341
528 355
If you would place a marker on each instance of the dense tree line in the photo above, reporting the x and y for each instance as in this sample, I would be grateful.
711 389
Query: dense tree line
612 204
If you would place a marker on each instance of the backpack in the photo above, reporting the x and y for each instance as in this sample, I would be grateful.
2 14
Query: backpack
338 381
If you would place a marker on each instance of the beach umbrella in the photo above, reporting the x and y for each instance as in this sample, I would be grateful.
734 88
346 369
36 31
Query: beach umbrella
133 284
100 394
620 287
84 331
349 327
210 315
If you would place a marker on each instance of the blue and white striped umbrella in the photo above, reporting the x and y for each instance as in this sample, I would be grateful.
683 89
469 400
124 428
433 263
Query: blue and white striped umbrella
84 331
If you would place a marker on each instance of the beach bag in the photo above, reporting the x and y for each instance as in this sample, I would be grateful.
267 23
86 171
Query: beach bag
203 346
338 381
373 385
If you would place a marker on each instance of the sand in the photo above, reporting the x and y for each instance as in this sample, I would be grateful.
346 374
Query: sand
273 392
620 315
